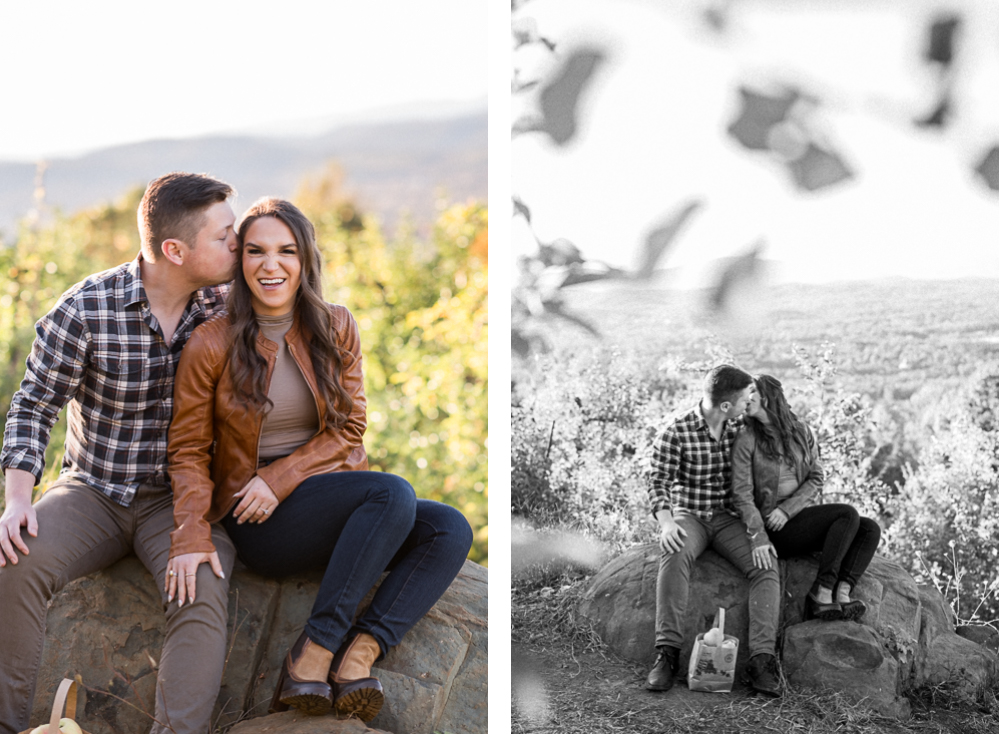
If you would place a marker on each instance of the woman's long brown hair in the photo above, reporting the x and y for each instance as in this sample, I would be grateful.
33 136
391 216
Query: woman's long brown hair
788 431
247 367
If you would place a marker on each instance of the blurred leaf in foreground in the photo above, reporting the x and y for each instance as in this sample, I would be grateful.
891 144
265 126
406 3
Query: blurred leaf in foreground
759 113
663 235
559 97
818 168
987 168
521 208
531 548
736 274
942 35
528 686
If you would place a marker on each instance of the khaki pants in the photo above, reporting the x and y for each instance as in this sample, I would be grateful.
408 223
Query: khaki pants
727 535
81 531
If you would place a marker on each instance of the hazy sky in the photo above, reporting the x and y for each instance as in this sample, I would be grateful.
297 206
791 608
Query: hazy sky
80 75
653 137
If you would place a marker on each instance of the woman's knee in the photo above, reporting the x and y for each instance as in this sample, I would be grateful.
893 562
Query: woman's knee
870 528
447 524
846 518
397 494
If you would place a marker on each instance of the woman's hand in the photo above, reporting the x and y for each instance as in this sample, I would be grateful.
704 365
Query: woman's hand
257 504
776 519
182 574
762 556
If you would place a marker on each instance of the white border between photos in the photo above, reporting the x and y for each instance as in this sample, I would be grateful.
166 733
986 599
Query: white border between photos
499 365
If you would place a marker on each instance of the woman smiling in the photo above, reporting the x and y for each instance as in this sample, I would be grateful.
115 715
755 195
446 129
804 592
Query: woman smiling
266 439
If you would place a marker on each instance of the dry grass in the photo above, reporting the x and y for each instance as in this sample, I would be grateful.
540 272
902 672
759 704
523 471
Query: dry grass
579 686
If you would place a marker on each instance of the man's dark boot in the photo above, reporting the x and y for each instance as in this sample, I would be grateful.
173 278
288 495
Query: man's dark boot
661 677
762 672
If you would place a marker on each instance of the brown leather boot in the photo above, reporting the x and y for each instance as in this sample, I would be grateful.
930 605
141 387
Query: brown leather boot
356 693
302 682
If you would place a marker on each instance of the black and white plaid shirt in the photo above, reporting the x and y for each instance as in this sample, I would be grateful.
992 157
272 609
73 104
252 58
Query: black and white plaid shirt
101 350
691 470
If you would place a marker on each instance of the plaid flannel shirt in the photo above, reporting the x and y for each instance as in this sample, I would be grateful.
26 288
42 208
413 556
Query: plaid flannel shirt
101 350
691 470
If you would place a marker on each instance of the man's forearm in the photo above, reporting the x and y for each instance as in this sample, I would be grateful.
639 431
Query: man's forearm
19 486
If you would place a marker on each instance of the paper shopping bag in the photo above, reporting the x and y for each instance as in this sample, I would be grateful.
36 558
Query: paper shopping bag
713 662
65 702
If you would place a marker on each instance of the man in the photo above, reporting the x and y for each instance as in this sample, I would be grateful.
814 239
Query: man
110 348
690 495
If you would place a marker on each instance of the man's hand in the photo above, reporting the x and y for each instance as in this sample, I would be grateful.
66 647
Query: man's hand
182 575
18 513
762 556
776 519
257 504
671 534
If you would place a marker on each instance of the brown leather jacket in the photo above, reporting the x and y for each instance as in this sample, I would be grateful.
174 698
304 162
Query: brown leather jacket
214 436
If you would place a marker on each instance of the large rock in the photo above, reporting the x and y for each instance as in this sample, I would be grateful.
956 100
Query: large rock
846 657
981 635
963 664
108 628
912 627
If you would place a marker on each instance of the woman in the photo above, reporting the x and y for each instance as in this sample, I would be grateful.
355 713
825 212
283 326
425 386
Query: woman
269 413
777 476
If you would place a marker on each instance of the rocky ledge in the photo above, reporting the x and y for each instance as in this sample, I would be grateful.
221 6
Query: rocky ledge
108 628
906 639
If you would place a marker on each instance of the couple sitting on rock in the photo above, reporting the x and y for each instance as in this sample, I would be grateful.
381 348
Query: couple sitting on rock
747 486
264 459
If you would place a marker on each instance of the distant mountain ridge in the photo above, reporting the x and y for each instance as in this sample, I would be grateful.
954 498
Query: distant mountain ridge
391 168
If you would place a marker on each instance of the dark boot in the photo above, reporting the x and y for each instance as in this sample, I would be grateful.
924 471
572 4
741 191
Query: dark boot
302 682
661 677
356 693
853 610
762 674
819 610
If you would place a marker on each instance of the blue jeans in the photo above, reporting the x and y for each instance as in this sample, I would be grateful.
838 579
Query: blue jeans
355 526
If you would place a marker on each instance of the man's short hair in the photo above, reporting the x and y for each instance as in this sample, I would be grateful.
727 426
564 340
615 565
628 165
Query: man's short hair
173 207
725 382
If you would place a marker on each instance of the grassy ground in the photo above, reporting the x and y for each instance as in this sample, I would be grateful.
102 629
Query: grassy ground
566 682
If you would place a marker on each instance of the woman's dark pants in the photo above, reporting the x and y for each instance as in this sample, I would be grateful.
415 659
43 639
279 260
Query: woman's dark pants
846 542
356 525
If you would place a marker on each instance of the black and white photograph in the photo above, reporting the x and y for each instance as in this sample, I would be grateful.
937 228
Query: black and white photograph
754 366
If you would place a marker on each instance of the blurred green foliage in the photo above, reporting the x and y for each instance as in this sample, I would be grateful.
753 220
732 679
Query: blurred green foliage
420 302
